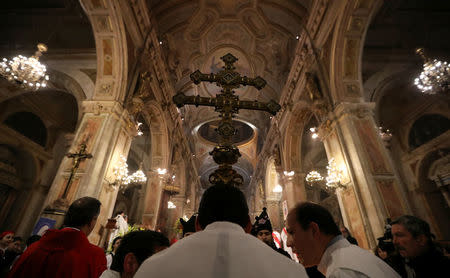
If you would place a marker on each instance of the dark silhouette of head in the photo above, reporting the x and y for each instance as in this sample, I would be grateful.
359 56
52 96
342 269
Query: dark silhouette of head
135 248
82 213
223 203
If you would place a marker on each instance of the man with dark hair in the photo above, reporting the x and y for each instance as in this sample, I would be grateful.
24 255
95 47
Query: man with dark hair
12 253
414 241
262 229
109 257
314 235
66 252
134 248
221 247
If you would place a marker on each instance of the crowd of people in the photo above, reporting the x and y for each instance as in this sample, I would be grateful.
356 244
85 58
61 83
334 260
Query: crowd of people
221 241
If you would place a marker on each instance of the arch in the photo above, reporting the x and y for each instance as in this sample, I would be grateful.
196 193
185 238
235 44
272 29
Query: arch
160 151
19 172
111 47
435 201
29 125
426 128
347 47
301 115
272 178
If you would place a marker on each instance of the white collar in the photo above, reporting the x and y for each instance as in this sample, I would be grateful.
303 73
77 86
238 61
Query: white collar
336 243
224 225
72 228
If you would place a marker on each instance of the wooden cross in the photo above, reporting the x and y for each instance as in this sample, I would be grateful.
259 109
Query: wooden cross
77 159
227 104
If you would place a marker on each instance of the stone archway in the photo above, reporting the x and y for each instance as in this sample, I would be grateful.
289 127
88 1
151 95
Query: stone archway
295 185
111 44
160 154
373 190
433 180
347 46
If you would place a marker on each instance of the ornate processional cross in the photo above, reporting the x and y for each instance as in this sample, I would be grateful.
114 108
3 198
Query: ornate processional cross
227 104
77 159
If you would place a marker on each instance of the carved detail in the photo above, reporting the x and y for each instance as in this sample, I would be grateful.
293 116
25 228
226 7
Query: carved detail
106 88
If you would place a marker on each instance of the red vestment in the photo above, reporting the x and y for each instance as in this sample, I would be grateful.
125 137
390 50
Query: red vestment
61 253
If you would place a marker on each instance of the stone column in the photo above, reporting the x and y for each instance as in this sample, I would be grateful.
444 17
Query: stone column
275 213
107 131
294 188
372 190
152 198
175 214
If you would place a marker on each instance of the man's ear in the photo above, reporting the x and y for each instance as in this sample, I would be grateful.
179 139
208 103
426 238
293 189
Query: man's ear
198 228
422 240
248 227
315 230
130 264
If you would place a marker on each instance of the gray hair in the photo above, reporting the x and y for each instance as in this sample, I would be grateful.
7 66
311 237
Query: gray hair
414 225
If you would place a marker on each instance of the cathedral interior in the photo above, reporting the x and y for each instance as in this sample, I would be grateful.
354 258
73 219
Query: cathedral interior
342 71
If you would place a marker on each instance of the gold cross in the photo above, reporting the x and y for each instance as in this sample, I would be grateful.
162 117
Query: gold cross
227 104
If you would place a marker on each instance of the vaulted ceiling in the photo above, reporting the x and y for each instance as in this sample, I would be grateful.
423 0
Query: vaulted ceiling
261 34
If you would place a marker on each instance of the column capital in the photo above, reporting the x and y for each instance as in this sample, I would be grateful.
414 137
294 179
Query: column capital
359 109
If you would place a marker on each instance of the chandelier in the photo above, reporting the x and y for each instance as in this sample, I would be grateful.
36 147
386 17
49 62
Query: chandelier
26 72
314 132
277 189
334 176
122 177
137 177
435 75
385 134
289 174
138 129
313 177
121 171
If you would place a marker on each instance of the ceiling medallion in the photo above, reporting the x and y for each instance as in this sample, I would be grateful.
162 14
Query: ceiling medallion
26 72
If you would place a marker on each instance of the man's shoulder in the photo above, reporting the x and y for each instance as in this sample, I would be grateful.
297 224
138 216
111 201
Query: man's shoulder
96 250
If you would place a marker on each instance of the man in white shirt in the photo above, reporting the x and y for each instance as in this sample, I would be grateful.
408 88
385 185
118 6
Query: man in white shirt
221 247
314 235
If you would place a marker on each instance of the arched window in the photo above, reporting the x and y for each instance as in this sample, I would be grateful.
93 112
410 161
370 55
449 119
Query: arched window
426 128
29 125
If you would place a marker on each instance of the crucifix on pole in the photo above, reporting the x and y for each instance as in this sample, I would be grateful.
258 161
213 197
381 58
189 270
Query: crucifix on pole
227 104
77 158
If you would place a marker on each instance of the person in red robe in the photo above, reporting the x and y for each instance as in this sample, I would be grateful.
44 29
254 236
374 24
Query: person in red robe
66 252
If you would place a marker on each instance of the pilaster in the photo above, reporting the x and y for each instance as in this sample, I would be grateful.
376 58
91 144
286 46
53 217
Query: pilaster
107 131
372 190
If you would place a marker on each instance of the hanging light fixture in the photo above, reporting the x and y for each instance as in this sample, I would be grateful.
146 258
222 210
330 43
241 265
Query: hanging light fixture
314 132
277 189
288 174
137 177
313 177
138 129
334 176
385 134
26 72
121 170
161 171
435 76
